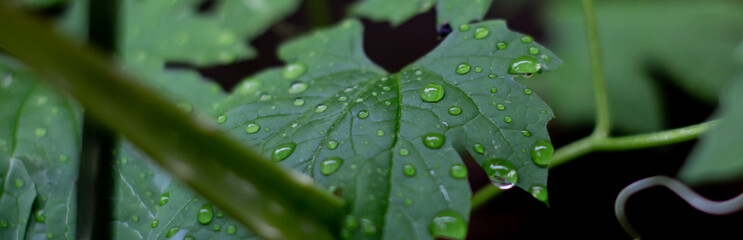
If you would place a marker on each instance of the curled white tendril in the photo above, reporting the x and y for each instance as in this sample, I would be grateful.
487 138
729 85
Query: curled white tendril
692 198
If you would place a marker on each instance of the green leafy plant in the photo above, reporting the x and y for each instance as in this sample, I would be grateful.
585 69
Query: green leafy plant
328 146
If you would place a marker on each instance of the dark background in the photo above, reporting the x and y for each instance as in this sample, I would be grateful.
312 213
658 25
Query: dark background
582 193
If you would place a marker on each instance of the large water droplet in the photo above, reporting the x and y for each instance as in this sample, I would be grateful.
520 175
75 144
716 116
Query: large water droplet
252 128
458 171
501 172
434 140
249 86
294 70
380 132
172 231
206 214
363 114
154 223
542 152
330 165
524 65
455 110
231 229
500 107
507 119
527 91
321 108
432 92
480 32
463 68
408 169
164 198
40 217
493 90
526 133
298 87
449 225
539 192
282 151
478 148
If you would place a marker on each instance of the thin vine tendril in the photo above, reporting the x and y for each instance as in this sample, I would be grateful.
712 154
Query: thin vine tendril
692 198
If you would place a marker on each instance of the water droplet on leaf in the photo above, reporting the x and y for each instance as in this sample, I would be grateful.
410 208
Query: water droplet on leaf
539 192
478 148
448 224
330 165
231 229
408 169
298 87
404 151
480 32
321 108
458 171
542 152
455 110
298 102
252 128
501 45
463 68
363 114
164 198
294 70
464 27
332 144
524 65
501 173
432 92
282 151
221 119
526 39
205 214
172 231
533 50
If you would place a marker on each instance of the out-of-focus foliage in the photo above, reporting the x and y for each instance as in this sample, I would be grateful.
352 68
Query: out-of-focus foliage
717 157
454 12
690 40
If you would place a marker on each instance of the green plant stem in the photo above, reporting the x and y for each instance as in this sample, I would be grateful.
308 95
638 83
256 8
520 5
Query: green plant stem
274 202
594 143
603 121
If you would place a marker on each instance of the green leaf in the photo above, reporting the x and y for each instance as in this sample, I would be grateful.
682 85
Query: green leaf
18 194
43 129
648 40
716 158
360 132
455 12
254 191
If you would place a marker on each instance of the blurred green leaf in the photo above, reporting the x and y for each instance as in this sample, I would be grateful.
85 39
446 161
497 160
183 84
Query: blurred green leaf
356 130
42 128
455 12
691 40
717 156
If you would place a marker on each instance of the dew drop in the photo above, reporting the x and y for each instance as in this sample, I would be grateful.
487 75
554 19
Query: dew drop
252 128
350 223
542 152
507 119
526 133
463 68
40 132
231 229
206 214
63 158
432 92
330 165
154 223
500 107
526 39
217 227
282 151
164 198
546 58
363 114
449 225
533 50
321 108
221 119
332 144
298 87
458 171
455 110
524 65
527 91
368 226
464 27
501 173
19 183
501 45
404 151
434 140
172 231
478 148
480 32
478 69
493 90
294 70
380 132
408 169
539 192
39 216
386 88
298 102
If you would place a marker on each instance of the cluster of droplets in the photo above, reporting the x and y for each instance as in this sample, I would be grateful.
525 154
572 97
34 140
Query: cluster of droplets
205 215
